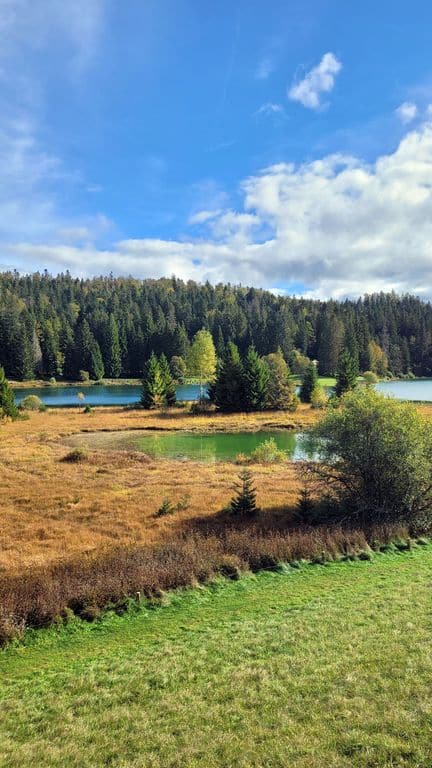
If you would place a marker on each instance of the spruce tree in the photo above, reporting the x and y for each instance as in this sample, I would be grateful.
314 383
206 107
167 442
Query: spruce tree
227 389
168 382
112 353
347 373
310 381
153 385
256 379
7 398
244 502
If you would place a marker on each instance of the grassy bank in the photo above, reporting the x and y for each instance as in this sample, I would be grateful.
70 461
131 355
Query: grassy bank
318 666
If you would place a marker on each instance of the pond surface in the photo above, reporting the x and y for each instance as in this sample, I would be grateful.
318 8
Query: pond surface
97 394
128 394
415 390
220 446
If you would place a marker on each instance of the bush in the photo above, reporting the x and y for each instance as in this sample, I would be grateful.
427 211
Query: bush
88 409
53 380
75 456
31 403
376 461
318 398
370 378
268 453
84 376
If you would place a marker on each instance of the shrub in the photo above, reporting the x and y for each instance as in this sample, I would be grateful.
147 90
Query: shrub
166 508
84 376
370 378
376 460
318 398
31 403
268 453
75 456
88 409
53 380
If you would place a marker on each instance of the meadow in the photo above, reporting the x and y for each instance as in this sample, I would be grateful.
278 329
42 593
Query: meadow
320 665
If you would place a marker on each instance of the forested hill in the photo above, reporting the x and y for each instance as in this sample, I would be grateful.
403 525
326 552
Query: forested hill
57 326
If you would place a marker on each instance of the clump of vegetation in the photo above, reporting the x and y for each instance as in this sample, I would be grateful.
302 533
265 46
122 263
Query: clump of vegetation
305 504
318 398
244 502
8 407
178 369
309 383
370 378
88 409
268 453
31 403
75 456
52 380
84 375
169 508
376 461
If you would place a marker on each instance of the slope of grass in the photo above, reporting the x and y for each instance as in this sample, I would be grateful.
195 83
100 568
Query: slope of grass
320 666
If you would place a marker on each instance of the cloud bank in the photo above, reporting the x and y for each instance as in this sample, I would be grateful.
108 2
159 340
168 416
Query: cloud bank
337 225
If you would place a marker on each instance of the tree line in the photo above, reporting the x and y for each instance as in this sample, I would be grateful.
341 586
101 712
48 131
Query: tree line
66 327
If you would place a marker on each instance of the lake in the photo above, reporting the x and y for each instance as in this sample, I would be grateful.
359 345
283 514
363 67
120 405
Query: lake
127 394
97 394
219 446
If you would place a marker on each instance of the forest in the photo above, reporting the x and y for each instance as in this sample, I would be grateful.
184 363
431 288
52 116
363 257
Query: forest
58 327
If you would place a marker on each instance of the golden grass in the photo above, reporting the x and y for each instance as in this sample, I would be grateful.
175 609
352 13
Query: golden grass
52 509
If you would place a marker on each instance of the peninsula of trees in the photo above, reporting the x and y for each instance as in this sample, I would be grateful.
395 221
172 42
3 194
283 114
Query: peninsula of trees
109 327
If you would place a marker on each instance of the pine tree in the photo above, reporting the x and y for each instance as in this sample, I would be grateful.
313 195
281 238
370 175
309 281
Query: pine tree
153 385
347 374
244 502
7 398
256 378
310 381
227 389
168 382
112 356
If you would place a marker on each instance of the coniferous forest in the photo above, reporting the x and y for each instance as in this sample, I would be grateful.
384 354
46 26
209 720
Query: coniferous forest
109 327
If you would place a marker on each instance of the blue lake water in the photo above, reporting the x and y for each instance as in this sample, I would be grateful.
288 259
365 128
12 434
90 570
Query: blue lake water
97 394
128 394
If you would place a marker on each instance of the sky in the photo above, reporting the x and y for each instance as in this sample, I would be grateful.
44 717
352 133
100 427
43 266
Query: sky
285 145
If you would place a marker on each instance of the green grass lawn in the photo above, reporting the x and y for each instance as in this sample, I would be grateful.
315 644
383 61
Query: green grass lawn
319 667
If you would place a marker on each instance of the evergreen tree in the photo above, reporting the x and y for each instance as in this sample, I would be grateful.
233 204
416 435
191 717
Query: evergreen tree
280 389
178 368
256 379
309 383
7 398
227 391
168 382
347 373
244 502
112 352
153 384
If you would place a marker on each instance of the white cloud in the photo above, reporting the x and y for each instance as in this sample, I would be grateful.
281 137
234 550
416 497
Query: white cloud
203 216
337 225
319 80
406 112
269 108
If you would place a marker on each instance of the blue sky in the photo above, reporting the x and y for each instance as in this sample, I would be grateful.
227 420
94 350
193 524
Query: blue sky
282 144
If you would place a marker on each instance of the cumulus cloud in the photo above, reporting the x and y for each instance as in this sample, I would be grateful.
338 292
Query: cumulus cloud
319 80
407 112
337 225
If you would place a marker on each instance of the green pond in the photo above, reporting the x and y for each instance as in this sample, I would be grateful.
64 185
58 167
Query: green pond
219 446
